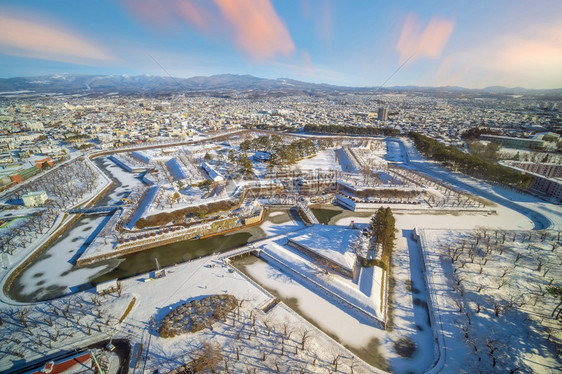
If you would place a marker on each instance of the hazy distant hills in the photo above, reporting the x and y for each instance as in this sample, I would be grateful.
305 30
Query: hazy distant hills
71 83
147 84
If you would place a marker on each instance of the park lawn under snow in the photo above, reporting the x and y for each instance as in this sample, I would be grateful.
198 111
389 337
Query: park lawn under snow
354 329
490 298
196 279
324 160
154 300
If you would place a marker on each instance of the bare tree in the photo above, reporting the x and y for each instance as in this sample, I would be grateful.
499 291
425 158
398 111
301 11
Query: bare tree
492 347
336 360
540 261
497 308
208 357
22 316
501 282
305 336
458 302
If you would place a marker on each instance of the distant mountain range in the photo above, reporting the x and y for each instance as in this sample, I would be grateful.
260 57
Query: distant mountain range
148 84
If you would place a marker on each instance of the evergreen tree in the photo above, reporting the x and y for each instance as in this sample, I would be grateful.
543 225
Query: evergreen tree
382 228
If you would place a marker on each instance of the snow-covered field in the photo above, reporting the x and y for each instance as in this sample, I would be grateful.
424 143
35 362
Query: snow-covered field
354 329
273 341
260 340
489 287
324 160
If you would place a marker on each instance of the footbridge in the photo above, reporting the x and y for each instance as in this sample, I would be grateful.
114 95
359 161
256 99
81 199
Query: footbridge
303 207
249 249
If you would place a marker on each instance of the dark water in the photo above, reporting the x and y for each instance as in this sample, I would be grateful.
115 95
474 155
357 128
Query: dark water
143 262
325 215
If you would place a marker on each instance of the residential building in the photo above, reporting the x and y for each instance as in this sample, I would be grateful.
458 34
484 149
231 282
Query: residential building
32 199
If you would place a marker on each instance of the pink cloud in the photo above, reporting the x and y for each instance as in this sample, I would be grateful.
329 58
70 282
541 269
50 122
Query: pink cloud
257 28
171 14
195 15
422 43
254 25
156 13
527 57
36 39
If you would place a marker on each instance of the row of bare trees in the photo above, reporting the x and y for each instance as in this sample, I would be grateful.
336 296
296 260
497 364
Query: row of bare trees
503 278
450 197
65 185
37 329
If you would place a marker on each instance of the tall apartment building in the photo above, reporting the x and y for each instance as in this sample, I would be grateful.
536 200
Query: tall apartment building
382 114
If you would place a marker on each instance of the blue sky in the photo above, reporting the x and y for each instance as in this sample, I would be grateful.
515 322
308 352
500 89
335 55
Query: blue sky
357 43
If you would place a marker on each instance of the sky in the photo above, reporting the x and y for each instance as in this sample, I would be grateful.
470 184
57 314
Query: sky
472 44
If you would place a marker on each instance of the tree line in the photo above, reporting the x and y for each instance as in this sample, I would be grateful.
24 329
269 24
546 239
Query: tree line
351 130
281 153
469 164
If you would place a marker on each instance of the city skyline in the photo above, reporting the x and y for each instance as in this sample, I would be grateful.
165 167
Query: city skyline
359 43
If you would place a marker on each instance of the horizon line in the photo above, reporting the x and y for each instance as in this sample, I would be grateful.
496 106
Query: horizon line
281 78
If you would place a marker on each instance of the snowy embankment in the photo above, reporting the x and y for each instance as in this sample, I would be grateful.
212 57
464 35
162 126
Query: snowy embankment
141 156
143 206
125 164
543 214
363 297
176 169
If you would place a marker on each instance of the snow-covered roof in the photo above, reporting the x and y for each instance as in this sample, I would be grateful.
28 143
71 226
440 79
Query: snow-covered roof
331 242
176 169
213 174
141 156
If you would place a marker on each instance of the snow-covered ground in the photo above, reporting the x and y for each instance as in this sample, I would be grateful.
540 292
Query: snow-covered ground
408 345
55 271
488 287
543 214
324 160
254 334
355 330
